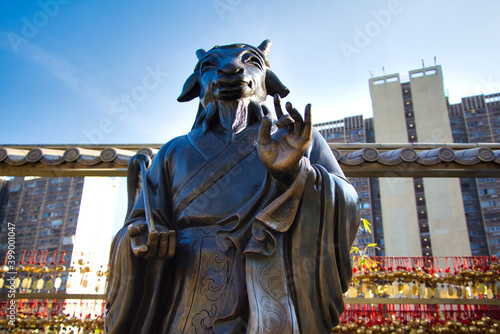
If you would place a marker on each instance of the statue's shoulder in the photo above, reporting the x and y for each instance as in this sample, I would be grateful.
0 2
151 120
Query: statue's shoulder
173 145
318 141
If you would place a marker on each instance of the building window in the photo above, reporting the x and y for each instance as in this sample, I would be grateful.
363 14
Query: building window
492 229
488 191
488 204
364 205
475 246
495 241
485 180
15 188
56 223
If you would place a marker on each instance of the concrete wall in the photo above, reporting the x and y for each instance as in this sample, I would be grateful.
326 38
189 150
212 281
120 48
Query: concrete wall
445 212
443 196
388 117
429 106
399 211
399 217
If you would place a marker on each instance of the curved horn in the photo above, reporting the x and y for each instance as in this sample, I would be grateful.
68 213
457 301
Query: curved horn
265 47
200 53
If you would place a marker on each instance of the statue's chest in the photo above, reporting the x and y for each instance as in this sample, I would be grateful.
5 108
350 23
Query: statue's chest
216 188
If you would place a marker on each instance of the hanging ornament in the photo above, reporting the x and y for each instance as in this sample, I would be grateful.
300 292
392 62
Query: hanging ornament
49 284
34 282
26 282
69 282
40 283
451 292
57 283
489 293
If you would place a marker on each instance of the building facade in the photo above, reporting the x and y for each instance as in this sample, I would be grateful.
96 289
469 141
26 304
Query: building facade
70 219
425 216
44 210
45 213
477 120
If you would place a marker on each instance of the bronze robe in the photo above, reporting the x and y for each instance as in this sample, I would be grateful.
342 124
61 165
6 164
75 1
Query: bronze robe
252 256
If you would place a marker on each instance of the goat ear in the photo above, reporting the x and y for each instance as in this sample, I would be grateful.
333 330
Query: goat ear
191 88
274 85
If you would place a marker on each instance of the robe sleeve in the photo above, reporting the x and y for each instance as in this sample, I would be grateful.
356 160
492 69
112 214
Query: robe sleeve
132 295
319 250
317 218
159 194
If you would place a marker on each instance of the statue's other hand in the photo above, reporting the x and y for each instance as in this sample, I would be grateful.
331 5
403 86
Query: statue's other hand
281 153
159 244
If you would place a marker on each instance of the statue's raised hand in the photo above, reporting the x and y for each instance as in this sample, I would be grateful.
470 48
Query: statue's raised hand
281 152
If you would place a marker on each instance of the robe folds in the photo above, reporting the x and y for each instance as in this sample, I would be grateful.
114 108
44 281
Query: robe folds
252 255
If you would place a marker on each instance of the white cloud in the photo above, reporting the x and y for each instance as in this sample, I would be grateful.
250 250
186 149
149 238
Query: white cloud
57 67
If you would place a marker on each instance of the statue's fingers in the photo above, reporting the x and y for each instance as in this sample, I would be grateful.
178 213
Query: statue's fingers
265 110
171 244
138 248
277 106
284 122
135 229
255 109
152 244
296 117
163 245
307 131
265 132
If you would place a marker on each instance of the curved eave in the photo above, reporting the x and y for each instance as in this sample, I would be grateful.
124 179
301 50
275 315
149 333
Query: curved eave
356 160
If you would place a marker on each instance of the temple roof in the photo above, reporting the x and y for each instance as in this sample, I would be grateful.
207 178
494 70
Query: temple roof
356 159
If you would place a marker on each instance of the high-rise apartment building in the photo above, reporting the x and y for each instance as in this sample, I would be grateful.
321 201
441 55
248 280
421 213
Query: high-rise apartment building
52 216
4 192
477 120
355 129
425 216
44 212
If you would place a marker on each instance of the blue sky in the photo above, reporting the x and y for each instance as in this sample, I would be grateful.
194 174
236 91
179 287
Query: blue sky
102 72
